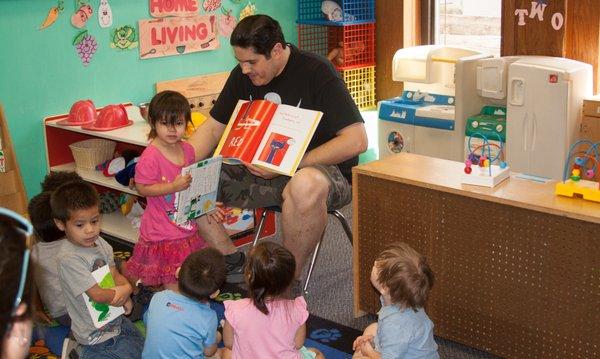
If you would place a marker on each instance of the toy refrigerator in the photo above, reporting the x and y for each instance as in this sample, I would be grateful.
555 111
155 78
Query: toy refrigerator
545 96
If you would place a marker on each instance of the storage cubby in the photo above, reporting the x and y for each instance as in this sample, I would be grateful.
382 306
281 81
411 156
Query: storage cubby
353 12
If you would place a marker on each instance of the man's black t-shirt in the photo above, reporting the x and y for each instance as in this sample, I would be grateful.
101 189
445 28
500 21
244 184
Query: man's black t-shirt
308 80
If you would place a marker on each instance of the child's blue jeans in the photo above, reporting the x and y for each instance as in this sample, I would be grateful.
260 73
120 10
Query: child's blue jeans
128 344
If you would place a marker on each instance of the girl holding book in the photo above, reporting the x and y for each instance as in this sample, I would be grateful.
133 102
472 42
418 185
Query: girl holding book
163 245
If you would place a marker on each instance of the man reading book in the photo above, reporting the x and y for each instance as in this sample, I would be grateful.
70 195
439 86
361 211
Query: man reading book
271 69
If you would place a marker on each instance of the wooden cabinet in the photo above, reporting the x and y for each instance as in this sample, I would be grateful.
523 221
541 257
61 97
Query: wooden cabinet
59 158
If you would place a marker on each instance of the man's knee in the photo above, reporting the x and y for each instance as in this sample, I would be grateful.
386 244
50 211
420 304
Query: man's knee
308 187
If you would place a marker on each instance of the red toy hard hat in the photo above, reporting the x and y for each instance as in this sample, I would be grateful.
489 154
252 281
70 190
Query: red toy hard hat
109 118
82 112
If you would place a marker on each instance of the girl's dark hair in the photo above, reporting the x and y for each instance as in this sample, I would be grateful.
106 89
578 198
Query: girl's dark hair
73 196
269 271
406 274
12 248
258 32
40 213
170 106
202 273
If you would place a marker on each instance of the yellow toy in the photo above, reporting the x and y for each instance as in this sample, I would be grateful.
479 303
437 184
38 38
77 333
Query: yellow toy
197 119
585 165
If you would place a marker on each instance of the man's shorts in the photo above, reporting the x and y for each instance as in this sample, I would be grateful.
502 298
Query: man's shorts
240 188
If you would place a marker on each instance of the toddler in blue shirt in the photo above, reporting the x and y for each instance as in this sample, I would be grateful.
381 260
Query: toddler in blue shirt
403 329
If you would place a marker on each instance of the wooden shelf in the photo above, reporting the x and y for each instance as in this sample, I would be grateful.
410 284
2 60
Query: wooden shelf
117 225
95 177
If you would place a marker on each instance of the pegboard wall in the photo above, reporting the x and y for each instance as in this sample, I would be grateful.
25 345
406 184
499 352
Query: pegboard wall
511 281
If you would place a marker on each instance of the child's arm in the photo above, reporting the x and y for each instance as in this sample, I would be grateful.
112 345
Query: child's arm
300 336
39 313
106 296
368 351
227 335
160 189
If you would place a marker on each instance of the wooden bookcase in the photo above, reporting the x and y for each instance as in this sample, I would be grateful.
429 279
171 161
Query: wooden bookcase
59 158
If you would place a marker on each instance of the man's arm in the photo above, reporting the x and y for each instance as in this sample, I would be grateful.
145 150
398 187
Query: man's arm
206 137
349 142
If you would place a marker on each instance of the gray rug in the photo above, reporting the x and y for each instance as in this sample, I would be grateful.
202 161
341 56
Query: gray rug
330 289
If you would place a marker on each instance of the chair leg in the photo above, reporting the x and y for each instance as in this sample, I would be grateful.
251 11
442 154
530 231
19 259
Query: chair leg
312 264
261 223
344 223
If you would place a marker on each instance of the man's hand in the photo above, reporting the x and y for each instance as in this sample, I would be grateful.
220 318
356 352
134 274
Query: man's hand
181 182
217 215
259 172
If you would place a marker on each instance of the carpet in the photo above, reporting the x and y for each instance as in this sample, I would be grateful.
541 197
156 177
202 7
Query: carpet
332 339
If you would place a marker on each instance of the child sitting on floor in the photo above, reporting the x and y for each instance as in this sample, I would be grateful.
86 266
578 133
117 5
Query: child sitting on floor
50 305
267 325
75 206
404 279
180 323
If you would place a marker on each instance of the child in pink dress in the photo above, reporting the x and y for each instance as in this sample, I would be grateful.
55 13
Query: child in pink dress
163 245
267 325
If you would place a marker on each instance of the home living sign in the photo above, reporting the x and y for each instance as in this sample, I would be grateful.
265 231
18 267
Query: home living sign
176 29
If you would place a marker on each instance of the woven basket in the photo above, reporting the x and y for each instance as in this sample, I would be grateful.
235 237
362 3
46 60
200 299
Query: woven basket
90 153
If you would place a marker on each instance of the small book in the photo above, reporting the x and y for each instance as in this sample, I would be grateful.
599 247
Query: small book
201 196
268 135
102 313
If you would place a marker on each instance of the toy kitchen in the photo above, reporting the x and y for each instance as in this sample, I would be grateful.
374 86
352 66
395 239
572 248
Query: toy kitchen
439 94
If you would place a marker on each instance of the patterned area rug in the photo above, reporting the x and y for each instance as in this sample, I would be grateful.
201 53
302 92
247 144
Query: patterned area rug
332 339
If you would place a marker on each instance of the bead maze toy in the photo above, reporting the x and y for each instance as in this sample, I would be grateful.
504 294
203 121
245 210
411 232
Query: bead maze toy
479 168
584 165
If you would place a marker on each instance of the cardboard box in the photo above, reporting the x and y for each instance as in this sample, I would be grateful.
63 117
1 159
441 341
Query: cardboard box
591 106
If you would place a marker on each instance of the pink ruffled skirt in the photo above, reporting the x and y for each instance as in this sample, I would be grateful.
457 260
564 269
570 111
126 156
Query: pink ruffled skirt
155 262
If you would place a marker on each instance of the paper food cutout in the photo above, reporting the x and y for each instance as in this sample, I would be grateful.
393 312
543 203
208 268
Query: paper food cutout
81 16
124 38
248 10
211 5
226 23
86 46
105 18
52 15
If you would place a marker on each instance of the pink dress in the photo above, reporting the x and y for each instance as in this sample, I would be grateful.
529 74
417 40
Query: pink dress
257 335
163 245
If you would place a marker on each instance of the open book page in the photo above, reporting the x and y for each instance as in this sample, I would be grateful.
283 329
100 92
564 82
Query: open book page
201 196
102 313
286 139
245 130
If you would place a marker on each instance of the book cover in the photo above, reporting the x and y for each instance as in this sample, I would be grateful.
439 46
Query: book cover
268 135
201 196
102 313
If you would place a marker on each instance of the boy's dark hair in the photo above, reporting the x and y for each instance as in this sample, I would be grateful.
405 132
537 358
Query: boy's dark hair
269 271
73 196
53 180
258 32
202 273
406 274
40 213
169 106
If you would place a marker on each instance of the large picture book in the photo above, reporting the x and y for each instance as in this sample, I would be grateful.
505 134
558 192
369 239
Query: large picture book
201 196
268 135
102 313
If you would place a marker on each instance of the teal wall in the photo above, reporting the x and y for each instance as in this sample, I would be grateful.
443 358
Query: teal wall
41 75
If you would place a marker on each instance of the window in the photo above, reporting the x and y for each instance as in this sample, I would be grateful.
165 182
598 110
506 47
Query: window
473 24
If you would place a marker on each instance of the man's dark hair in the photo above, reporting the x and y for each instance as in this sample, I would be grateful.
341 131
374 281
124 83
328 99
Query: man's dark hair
202 273
259 32
53 180
40 213
73 196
